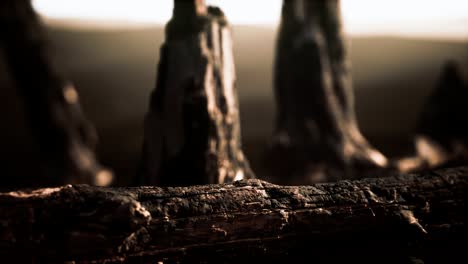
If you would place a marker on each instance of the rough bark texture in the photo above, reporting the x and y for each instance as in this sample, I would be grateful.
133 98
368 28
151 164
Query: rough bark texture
316 129
387 219
65 139
192 127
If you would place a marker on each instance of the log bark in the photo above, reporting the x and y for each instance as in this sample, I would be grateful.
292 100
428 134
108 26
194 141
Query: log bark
387 219
65 139
316 128
192 127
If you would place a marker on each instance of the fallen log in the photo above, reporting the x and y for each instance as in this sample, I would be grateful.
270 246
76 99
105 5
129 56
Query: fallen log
421 216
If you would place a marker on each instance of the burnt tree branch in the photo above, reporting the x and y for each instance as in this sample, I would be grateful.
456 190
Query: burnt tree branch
405 215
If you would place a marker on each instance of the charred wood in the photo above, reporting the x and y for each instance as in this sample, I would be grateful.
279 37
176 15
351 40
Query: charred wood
65 139
385 219
441 138
317 137
192 127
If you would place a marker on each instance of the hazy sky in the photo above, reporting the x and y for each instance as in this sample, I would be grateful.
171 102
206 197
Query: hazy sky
425 18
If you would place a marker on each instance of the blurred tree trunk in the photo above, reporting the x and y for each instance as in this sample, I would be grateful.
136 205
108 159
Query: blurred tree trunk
316 128
192 129
442 135
65 139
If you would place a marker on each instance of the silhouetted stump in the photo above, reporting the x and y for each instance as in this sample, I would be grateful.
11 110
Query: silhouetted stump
316 129
65 139
442 135
192 133
384 220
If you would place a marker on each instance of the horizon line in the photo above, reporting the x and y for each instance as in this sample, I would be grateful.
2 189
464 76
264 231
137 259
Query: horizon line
123 24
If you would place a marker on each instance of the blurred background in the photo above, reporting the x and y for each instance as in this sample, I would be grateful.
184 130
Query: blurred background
110 50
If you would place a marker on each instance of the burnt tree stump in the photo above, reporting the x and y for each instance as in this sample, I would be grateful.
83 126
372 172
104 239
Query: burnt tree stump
444 121
385 220
441 138
316 130
65 139
192 129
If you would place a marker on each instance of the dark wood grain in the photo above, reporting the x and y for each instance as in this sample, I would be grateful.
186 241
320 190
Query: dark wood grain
379 218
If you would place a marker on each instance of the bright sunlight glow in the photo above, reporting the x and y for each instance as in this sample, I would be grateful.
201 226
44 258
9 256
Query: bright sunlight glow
424 18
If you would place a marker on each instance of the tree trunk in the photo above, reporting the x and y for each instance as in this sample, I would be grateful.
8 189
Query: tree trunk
65 139
316 129
386 219
441 138
193 126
